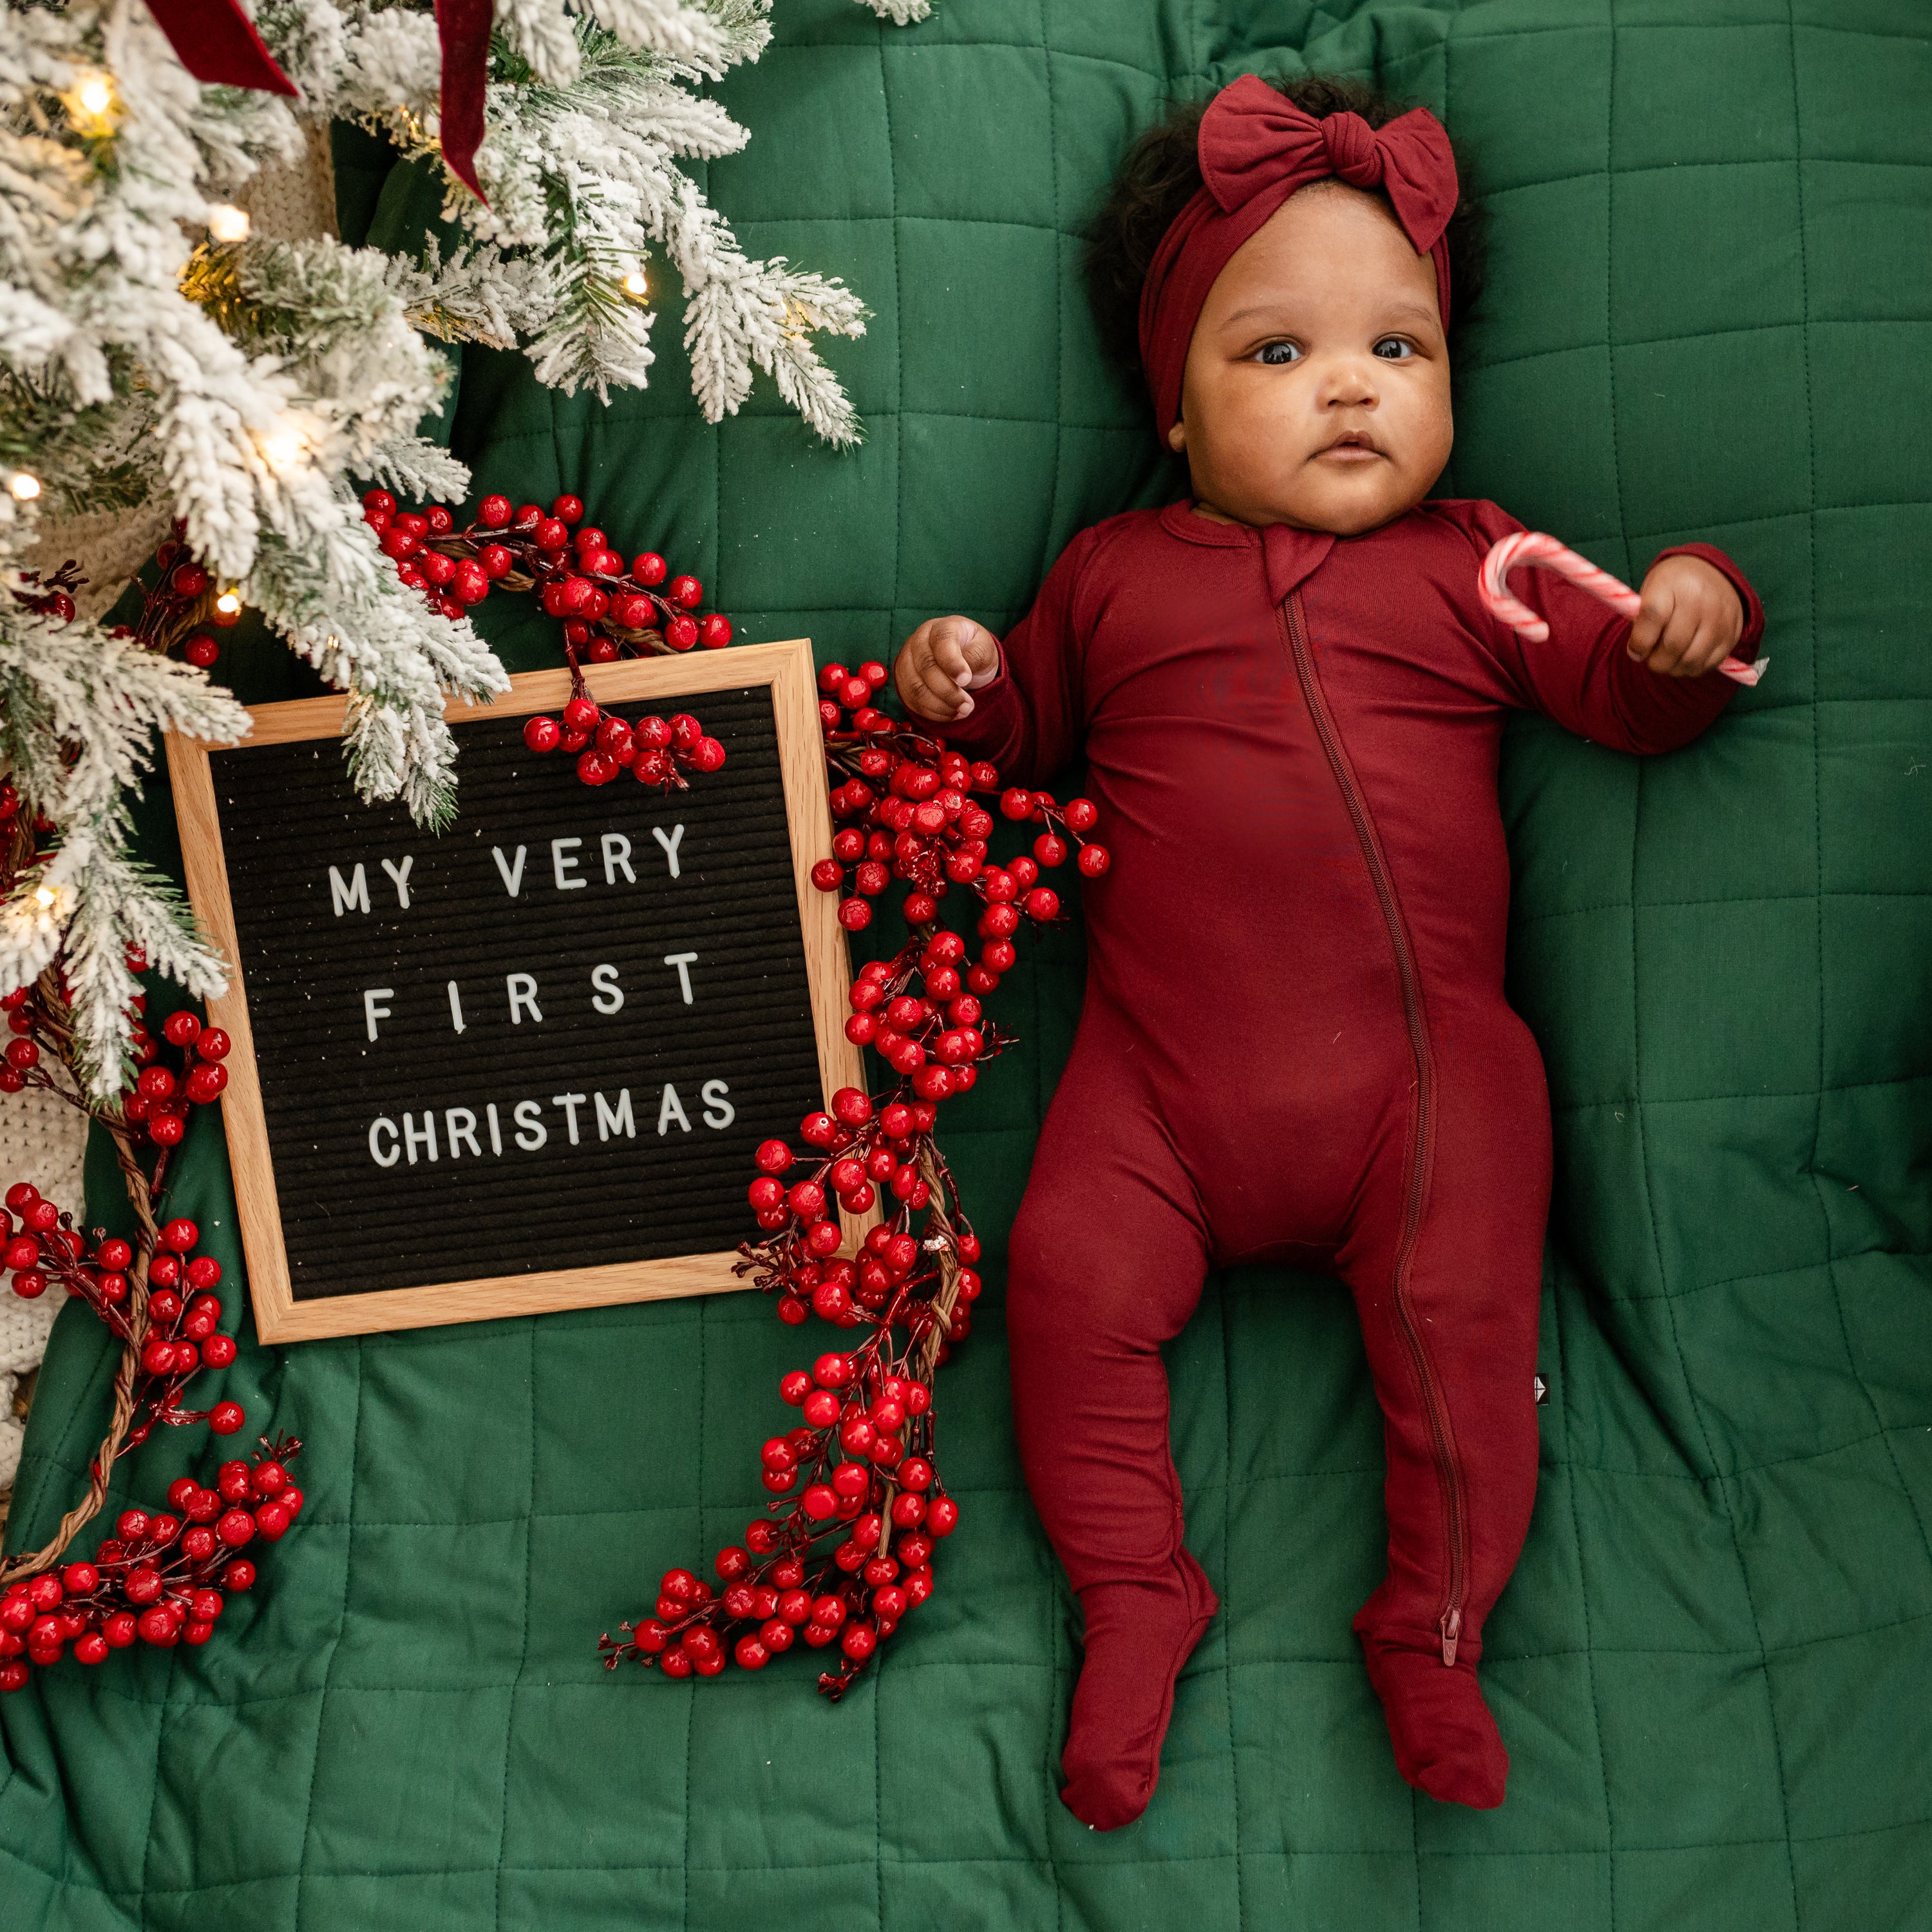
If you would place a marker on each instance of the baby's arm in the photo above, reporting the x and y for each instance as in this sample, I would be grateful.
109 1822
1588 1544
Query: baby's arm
1017 703
1646 685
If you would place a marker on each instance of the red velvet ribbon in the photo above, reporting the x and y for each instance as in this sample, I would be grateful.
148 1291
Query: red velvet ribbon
1256 149
218 43
463 28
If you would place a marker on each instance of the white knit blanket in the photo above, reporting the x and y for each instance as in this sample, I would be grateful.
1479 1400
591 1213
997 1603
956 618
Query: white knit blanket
42 1141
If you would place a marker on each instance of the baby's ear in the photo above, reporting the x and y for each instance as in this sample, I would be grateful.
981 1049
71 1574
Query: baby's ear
1176 436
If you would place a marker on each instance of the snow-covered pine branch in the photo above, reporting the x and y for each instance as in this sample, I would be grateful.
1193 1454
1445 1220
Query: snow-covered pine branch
79 708
584 188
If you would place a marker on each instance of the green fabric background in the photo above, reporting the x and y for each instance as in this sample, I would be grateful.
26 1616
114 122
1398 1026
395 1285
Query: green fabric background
1708 315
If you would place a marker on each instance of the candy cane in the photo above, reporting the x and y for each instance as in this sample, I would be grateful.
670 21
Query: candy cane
1533 547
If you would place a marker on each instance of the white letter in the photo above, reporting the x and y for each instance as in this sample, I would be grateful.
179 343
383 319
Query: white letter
402 878
376 1153
570 1103
460 1124
456 1008
670 845
354 897
605 979
528 1117
617 858
513 875
713 1097
522 991
496 1132
682 960
610 1119
372 1012
671 1109
563 867
414 1137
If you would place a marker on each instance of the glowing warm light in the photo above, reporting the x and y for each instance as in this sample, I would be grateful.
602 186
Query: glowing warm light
227 224
635 283
92 104
282 445
25 487
230 601
44 896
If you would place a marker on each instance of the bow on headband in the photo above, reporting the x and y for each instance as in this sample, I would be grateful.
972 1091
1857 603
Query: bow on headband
1256 149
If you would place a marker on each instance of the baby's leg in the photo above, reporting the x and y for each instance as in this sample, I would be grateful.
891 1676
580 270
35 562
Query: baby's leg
1107 1263
1456 1381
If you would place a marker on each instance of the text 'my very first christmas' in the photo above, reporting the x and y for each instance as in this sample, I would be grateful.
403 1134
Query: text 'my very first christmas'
462 1131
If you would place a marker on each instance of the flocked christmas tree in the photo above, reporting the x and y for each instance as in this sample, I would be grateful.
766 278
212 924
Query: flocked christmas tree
150 350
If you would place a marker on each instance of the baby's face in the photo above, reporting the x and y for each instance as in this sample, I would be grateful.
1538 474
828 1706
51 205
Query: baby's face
1316 391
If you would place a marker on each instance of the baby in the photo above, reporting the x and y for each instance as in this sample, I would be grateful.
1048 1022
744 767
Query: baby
1295 1047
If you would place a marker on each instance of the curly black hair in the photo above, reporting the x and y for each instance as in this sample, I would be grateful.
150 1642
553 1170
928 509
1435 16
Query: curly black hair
1160 175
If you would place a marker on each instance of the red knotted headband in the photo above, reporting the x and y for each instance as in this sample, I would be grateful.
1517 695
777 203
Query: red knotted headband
1256 149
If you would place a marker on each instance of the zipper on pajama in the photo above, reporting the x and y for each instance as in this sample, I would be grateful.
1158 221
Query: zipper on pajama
1449 1625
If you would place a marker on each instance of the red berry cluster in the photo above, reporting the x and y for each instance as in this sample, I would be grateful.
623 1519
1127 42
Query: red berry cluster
862 1153
864 1454
908 813
654 751
168 605
161 1578
157 1101
49 595
161 1095
178 1332
608 611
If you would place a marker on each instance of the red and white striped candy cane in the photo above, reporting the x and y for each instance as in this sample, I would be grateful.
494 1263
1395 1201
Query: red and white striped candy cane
1533 547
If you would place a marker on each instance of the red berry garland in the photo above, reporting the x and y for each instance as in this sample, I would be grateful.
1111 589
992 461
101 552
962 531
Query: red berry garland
842 1560
161 1577
838 1561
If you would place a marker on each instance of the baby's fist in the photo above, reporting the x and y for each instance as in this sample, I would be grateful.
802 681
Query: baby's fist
1691 619
943 660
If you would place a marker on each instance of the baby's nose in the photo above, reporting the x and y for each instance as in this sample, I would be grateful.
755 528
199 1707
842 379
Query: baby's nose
1352 385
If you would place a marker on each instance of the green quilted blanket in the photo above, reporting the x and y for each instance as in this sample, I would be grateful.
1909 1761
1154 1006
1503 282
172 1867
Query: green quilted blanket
1710 313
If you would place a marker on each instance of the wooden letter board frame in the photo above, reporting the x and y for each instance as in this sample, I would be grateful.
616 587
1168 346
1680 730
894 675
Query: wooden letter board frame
787 669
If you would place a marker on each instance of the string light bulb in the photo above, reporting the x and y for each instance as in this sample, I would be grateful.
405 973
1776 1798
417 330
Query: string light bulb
229 603
282 445
227 223
634 284
24 486
91 103
43 896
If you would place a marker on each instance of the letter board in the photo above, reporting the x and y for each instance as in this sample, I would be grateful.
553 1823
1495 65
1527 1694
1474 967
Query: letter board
523 1064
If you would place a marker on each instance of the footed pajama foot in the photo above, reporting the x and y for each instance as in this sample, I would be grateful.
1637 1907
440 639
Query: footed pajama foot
1139 1635
1446 1742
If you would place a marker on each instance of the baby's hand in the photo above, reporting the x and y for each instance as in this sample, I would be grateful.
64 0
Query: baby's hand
1691 620
940 663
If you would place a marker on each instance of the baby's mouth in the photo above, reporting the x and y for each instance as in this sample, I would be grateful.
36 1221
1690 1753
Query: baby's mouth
1352 446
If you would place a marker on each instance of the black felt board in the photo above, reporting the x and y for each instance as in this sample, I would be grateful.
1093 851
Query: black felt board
288 814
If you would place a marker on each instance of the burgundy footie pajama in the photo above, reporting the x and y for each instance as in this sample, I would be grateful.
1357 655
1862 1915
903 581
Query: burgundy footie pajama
1295 1049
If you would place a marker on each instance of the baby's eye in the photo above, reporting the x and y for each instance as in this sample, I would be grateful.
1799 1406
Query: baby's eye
1275 354
1393 349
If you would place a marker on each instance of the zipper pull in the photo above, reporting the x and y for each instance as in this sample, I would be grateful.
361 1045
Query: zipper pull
1451 1628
